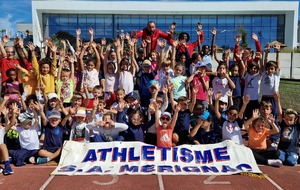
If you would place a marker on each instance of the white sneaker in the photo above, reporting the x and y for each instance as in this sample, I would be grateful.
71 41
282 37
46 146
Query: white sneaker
32 159
275 162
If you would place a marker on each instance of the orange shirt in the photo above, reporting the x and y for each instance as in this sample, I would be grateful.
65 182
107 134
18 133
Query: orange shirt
258 140
164 136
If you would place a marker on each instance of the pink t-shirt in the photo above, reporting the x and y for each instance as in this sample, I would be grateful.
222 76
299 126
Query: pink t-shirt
164 136
201 95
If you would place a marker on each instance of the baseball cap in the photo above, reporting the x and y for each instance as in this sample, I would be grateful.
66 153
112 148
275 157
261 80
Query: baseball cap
152 83
52 95
201 64
80 113
166 113
132 95
147 62
24 121
54 114
205 115
224 99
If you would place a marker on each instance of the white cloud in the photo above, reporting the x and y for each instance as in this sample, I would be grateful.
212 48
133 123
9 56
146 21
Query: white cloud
7 23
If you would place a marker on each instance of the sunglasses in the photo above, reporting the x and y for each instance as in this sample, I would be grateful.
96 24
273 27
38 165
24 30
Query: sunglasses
146 66
165 118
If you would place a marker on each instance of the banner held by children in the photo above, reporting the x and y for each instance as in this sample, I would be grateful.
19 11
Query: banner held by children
120 158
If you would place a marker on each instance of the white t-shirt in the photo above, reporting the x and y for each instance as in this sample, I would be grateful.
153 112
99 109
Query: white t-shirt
29 138
270 83
2 133
111 80
252 84
126 81
232 131
220 84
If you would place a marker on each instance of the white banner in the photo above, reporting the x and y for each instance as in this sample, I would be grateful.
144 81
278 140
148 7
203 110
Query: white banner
120 158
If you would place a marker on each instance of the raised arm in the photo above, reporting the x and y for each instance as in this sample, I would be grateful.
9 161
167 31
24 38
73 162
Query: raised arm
246 100
279 108
175 116
255 115
194 98
98 63
214 33
217 98
91 32
277 49
78 32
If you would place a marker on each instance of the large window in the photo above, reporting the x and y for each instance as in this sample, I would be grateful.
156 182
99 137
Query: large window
267 27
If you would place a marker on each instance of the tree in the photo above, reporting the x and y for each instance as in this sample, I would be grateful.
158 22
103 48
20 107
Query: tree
244 36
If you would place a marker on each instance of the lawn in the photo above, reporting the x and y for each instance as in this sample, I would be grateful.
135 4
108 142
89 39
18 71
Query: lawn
290 94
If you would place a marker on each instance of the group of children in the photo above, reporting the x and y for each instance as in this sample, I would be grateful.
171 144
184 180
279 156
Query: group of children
164 98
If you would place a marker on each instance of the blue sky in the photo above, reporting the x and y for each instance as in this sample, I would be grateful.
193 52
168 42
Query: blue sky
15 11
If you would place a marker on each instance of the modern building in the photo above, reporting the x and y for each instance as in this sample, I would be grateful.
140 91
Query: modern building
270 20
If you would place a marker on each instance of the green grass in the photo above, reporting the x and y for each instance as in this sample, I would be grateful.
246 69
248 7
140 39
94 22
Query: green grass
290 94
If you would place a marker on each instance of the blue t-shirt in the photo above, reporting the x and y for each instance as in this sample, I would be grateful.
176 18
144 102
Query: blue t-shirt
53 137
183 122
289 137
238 85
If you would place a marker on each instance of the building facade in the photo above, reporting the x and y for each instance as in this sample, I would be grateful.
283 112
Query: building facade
269 20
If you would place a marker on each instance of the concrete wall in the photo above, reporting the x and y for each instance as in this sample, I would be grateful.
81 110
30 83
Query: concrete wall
289 64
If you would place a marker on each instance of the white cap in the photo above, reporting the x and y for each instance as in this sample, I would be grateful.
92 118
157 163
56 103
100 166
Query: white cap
52 95
166 113
224 99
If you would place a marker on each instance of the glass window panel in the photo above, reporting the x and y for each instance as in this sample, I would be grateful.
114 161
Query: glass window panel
247 21
256 20
274 21
266 20
72 19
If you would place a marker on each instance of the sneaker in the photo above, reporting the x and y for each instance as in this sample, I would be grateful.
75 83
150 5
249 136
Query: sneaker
32 160
1 169
275 162
41 160
7 170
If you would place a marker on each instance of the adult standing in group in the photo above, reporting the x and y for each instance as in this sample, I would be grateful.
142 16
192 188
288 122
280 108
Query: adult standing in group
7 59
154 33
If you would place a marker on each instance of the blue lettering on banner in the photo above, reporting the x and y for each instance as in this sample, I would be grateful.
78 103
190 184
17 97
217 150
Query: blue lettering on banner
117 154
175 156
90 156
227 168
148 168
95 169
148 153
103 153
69 168
163 153
191 169
205 158
221 154
177 168
241 166
207 169
162 169
186 155
131 155
126 167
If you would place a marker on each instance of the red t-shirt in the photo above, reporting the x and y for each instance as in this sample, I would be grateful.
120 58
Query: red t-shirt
6 64
164 136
